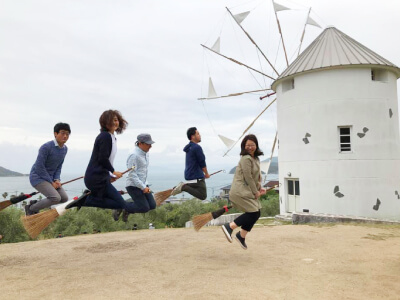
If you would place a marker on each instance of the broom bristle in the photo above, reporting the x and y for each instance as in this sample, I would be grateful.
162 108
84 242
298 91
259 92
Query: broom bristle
5 204
160 197
201 220
35 224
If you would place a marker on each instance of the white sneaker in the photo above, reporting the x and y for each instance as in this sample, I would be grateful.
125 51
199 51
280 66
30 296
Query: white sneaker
177 189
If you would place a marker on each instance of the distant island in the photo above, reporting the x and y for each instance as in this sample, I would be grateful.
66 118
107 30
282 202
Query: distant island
273 168
8 173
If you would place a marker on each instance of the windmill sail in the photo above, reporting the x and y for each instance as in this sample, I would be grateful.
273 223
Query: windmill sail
217 45
228 142
211 89
240 17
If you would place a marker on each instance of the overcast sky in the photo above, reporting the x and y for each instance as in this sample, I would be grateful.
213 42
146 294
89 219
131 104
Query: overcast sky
71 60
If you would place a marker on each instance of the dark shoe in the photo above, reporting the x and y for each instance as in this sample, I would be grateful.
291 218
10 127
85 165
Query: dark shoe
227 231
33 202
125 216
116 213
241 241
79 202
28 211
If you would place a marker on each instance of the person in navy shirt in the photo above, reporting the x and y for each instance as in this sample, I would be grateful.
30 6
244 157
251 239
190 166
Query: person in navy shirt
195 168
46 171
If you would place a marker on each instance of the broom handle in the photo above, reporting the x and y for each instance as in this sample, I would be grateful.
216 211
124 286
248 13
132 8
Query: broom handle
72 180
130 169
84 176
22 198
216 172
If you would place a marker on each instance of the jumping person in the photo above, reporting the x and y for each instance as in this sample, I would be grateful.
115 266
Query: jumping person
100 172
195 168
246 190
46 171
136 183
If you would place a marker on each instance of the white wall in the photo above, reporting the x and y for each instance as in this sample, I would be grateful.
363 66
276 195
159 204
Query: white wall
320 102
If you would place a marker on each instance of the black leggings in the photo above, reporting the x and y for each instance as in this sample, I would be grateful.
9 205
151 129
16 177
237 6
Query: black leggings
198 189
247 220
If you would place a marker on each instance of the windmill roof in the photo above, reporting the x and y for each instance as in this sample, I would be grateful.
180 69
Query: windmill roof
334 49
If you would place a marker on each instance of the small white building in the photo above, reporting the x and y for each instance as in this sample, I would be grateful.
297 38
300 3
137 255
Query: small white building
339 148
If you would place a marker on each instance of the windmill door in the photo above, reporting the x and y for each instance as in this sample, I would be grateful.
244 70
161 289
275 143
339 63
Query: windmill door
293 195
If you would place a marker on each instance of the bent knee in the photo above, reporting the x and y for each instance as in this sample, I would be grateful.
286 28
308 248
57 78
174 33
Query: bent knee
203 197
55 199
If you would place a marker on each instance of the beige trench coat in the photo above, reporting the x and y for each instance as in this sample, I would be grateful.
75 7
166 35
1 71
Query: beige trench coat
246 182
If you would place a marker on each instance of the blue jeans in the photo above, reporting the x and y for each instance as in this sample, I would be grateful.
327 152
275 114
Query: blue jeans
142 202
110 198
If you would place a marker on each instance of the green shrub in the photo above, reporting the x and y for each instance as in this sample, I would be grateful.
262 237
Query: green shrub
11 227
92 220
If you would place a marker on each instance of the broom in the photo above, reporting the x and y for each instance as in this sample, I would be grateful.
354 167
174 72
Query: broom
20 198
7 203
201 220
160 197
35 224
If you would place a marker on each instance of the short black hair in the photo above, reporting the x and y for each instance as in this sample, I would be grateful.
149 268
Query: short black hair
62 126
191 131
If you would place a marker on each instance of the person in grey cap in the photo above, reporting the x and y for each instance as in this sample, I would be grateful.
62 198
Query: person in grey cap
136 183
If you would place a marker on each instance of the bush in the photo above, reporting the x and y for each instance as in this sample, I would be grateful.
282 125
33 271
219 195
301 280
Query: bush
92 220
270 204
11 227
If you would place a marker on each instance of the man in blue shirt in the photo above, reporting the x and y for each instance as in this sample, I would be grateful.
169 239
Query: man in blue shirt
136 183
195 168
46 171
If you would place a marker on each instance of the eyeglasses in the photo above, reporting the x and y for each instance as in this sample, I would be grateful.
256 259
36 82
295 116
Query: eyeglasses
66 133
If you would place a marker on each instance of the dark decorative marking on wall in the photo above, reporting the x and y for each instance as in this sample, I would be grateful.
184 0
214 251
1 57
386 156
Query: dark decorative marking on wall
397 194
337 193
376 206
390 113
280 198
361 135
305 139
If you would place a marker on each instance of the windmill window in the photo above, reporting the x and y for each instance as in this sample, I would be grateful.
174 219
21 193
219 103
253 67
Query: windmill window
293 187
379 75
345 138
288 85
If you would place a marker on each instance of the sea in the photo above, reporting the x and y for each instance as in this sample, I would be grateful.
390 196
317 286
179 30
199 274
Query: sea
158 182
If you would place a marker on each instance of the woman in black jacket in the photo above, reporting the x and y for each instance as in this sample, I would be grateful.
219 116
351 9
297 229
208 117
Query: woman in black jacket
100 172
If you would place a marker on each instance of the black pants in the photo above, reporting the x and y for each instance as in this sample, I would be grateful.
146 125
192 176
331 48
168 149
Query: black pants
247 220
198 189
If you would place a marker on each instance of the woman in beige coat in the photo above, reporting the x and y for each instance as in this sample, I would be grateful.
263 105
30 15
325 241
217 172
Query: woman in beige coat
245 190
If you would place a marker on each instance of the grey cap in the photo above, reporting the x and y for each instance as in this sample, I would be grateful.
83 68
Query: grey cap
145 138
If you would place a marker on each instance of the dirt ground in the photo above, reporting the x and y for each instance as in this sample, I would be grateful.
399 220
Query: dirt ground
282 262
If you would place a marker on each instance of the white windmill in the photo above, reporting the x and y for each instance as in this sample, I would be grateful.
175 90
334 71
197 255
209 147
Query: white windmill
338 130
339 147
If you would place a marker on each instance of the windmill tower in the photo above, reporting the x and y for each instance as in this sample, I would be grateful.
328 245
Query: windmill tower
339 147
